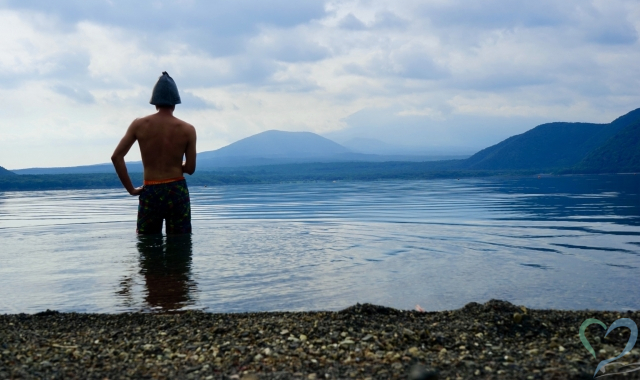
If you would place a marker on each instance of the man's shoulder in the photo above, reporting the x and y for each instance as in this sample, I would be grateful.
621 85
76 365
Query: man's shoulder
184 124
141 120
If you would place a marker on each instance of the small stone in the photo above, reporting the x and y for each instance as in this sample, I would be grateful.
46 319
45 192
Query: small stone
312 376
367 337
344 334
414 351
443 351
267 351
517 318
347 342
284 332
420 372
258 357
534 351
407 331
561 349
45 364
303 338
148 347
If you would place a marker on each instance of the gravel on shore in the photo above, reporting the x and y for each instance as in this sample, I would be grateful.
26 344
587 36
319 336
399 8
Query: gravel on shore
495 340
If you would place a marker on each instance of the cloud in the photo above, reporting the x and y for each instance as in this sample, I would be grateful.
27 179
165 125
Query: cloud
79 95
497 13
351 22
386 19
297 45
191 101
608 26
443 72
223 17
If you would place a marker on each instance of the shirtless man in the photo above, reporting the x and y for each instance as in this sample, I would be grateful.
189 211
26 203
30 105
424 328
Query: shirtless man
163 140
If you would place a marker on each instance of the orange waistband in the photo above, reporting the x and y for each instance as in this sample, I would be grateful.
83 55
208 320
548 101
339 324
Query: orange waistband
160 182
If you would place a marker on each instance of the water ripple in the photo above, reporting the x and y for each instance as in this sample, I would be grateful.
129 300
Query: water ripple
441 244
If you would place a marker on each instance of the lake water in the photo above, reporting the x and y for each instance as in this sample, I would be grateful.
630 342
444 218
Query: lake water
552 242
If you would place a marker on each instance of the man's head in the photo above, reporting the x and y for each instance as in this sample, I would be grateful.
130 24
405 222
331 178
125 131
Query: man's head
165 92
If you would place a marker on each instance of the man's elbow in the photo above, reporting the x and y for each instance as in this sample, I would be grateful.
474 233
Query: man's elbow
188 168
116 158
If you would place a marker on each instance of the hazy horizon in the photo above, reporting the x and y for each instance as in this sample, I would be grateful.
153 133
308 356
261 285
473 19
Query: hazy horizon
378 148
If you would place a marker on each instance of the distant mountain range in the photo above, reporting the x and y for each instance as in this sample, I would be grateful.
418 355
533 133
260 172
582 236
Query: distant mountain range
4 172
553 147
549 146
266 148
377 147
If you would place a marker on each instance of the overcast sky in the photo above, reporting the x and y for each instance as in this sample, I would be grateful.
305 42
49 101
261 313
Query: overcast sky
74 74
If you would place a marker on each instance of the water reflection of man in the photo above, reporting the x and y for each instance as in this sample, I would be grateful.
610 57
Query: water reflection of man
165 263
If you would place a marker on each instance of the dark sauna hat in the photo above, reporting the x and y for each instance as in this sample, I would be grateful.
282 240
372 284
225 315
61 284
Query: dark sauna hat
165 92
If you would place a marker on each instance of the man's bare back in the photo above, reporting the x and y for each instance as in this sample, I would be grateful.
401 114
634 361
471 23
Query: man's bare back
164 140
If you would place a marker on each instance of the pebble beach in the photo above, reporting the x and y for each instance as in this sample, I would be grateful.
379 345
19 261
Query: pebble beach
494 340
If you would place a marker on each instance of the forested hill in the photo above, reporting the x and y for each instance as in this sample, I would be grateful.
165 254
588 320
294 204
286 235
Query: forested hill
4 172
549 146
620 154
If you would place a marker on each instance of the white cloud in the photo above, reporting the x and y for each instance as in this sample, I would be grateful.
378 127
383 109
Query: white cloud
455 73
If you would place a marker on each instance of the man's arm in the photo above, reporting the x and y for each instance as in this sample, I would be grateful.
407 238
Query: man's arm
118 159
189 166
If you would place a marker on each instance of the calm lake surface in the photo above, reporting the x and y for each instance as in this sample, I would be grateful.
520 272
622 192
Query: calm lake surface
553 242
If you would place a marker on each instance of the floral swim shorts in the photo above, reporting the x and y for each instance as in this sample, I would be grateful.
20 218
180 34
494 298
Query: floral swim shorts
168 201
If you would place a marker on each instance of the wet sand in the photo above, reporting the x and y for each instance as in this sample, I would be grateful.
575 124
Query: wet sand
495 340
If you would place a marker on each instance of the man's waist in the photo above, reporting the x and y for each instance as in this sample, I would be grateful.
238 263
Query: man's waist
161 181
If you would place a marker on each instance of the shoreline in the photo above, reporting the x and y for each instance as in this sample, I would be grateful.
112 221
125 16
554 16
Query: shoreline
494 340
